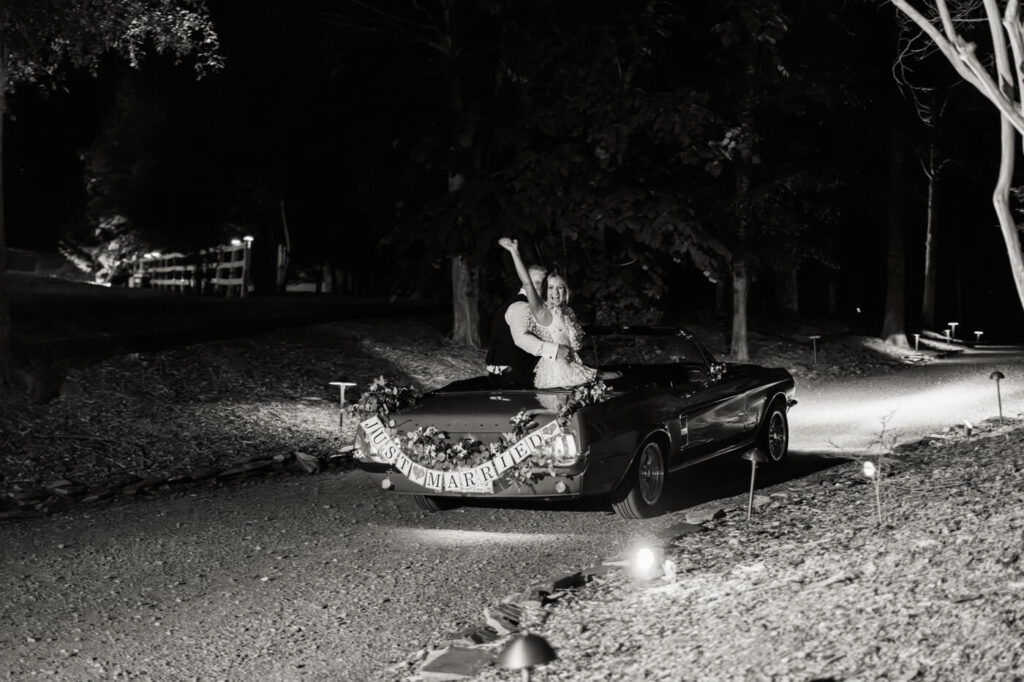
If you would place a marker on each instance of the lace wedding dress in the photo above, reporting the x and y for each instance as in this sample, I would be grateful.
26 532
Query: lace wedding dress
564 330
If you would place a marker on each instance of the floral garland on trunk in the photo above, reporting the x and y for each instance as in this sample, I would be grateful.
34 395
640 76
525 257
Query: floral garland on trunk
433 448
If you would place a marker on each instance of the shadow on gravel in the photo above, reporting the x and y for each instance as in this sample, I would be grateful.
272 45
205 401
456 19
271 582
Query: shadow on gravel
716 479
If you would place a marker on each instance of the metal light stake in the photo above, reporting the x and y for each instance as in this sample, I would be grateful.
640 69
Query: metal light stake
876 473
814 346
977 337
953 325
342 385
753 455
997 375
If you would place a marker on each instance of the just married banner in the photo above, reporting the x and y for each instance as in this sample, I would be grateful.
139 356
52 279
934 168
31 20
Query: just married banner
475 479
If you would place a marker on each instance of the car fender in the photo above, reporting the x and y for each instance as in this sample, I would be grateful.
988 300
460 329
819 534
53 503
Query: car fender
770 399
604 479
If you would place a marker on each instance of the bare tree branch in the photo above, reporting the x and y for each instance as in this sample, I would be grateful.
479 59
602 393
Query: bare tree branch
961 55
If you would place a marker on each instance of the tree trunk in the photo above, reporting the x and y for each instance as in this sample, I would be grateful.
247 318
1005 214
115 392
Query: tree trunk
930 246
1001 202
894 325
832 285
721 296
7 366
465 298
961 56
788 293
740 285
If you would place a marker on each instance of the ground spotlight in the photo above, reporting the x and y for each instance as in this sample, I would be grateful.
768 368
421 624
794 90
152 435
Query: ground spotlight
997 375
871 471
646 563
524 652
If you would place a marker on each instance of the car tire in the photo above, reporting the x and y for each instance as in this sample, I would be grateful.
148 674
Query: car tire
774 436
644 487
432 504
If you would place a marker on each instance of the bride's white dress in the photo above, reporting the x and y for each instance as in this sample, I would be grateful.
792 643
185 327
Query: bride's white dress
564 330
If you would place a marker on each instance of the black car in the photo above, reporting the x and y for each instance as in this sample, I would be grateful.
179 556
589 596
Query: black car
672 406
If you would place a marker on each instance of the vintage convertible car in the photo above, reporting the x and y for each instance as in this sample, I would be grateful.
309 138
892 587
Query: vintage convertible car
673 406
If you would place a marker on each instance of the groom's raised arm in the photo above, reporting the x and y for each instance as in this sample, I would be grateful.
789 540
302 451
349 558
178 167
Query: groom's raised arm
518 318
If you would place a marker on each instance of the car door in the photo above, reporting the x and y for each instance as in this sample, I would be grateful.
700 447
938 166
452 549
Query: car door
713 417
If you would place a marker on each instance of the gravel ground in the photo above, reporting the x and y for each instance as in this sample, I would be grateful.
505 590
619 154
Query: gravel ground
323 578
813 588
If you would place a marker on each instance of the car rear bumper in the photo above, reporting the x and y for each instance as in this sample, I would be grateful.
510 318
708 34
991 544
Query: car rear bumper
567 485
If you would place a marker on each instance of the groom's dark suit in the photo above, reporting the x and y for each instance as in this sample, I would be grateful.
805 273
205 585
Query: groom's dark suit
504 352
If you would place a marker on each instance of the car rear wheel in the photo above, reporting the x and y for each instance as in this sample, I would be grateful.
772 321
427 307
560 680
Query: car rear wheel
644 485
433 504
774 438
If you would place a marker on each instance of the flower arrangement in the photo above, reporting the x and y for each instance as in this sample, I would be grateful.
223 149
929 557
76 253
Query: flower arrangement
431 447
382 398
581 396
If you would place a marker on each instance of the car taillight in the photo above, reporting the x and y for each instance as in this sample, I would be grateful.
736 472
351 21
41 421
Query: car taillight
565 451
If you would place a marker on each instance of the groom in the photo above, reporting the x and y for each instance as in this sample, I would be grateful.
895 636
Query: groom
513 349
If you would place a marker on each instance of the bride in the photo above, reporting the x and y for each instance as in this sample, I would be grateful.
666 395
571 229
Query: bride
554 321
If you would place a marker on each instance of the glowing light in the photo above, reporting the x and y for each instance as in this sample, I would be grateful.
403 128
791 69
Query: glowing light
247 239
869 469
236 242
644 559
646 564
447 537
386 484
561 487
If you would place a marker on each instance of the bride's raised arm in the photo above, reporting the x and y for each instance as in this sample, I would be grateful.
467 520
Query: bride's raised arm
537 307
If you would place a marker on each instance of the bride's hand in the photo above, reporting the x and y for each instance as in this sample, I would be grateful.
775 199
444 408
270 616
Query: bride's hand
508 244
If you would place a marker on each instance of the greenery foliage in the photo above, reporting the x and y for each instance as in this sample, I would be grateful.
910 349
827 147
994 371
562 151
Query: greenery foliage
382 398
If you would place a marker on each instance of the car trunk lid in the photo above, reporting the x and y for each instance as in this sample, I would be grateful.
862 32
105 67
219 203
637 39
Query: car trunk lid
484 415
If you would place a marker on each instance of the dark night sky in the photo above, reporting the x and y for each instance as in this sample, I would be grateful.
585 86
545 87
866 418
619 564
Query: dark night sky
330 114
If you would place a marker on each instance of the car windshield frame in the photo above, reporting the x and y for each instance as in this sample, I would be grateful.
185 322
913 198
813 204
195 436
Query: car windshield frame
594 333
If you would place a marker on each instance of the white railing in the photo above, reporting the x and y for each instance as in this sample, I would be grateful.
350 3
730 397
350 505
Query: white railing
224 269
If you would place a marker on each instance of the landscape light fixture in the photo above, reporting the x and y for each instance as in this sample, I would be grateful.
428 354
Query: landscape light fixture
997 375
236 242
247 239
917 342
342 385
953 325
977 336
753 455
814 346
948 334
646 564
524 652
873 472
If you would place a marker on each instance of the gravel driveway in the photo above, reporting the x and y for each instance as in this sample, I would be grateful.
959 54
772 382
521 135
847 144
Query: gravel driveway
319 578
328 578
